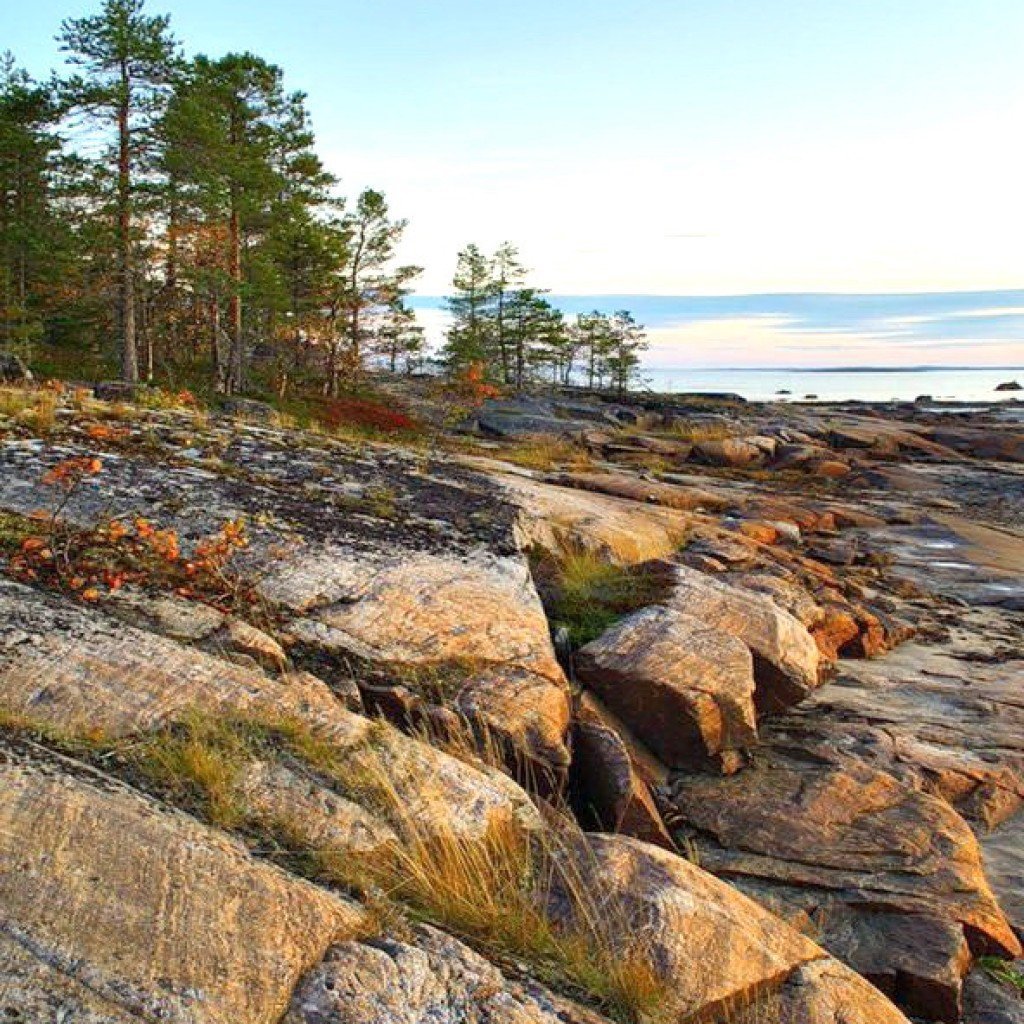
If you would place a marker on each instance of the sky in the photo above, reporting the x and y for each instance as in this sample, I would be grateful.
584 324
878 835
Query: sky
687 148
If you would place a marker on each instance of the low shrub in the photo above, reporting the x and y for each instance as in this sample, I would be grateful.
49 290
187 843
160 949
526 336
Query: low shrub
366 413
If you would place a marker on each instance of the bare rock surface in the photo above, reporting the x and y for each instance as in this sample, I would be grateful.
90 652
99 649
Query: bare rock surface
427 976
559 518
895 875
139 913
826 992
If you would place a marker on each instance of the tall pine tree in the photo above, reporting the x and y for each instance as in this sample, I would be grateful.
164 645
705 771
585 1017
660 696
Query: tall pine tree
127 59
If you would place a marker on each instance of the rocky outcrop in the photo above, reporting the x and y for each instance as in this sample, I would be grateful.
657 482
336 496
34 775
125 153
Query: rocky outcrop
473 625
13 368
80 672
785 656
880 842
895 874
396 584
117 909
684 688
944 721
652 492
365 560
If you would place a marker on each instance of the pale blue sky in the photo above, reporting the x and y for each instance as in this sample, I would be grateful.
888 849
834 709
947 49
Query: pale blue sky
713 147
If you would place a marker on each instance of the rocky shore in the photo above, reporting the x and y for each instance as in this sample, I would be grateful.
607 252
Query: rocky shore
669 710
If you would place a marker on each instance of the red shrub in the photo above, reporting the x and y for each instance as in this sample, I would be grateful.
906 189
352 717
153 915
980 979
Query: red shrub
363 412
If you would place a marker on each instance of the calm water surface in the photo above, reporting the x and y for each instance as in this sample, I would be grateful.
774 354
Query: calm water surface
840 385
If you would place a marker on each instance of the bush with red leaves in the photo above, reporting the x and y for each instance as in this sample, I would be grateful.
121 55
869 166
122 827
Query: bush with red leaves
363 412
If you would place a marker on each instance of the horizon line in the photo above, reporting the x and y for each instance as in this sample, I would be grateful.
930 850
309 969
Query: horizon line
915 368
760 294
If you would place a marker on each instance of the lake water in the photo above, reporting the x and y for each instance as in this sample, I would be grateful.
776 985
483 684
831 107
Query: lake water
840 385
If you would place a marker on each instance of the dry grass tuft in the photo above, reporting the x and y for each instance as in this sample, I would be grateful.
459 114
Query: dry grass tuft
701 431
528 897
35 408
546 453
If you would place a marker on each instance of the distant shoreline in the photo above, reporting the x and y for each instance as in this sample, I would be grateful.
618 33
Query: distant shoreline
833 369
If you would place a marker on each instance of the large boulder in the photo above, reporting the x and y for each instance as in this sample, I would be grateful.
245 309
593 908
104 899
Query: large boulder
714 950
684 688
731 452
785 655
530 417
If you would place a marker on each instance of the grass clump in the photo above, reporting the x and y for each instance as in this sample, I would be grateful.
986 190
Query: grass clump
689 430
199 761
1003 972
526 897
547 453
585 593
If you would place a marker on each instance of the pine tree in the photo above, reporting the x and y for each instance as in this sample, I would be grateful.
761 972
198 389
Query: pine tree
127 59
506 275
627 342
29 149
242 152
468 338
372 238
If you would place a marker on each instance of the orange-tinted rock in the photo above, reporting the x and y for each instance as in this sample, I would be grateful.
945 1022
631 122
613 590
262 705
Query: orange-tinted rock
764 533
838 629
831 469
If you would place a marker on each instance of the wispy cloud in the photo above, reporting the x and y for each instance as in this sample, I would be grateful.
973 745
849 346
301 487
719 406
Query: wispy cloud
955 328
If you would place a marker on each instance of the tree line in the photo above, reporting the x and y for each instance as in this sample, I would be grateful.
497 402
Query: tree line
179 205
509 328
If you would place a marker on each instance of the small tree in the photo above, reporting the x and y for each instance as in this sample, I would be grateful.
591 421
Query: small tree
366 281
468 339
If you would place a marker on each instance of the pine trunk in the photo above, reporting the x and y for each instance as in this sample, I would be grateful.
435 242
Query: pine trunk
126 283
